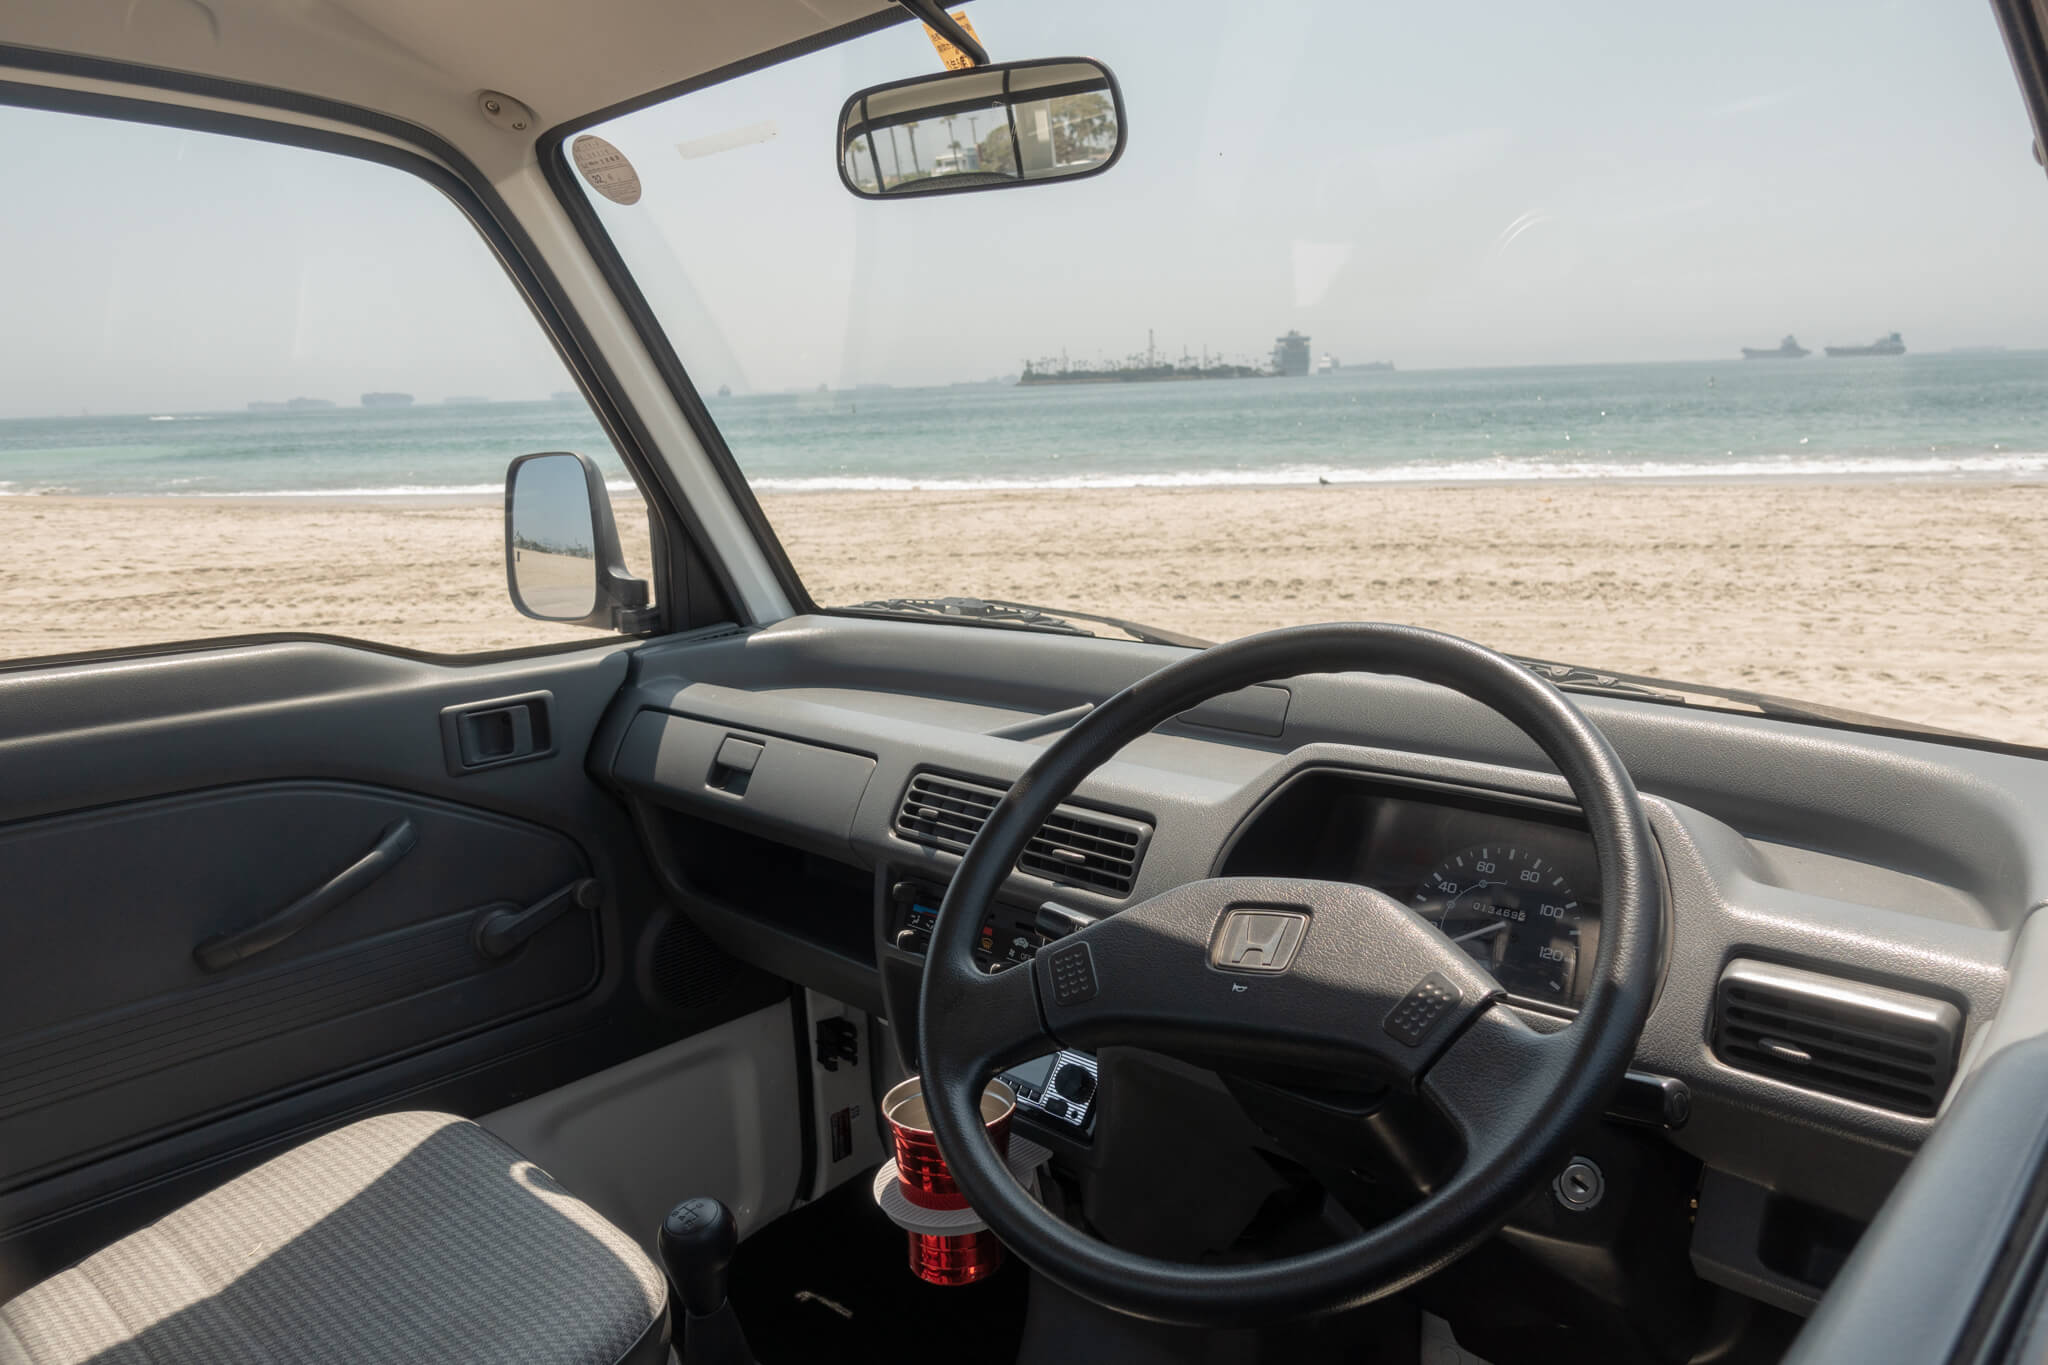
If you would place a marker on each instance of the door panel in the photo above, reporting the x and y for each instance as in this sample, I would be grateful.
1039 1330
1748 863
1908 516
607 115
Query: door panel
149 804
141 1037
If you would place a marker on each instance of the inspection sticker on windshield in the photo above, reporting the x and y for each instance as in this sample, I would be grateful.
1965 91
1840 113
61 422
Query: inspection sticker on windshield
953 57
607 169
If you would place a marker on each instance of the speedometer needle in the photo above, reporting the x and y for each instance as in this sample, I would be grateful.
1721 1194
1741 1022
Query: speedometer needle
1497 925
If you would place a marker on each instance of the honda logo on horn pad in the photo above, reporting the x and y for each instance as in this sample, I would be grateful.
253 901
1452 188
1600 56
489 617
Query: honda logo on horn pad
1257 940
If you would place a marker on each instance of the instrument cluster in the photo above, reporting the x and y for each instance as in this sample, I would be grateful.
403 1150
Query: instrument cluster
1515 885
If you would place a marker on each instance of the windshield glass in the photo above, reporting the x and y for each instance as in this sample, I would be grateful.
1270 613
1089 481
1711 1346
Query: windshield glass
1618 336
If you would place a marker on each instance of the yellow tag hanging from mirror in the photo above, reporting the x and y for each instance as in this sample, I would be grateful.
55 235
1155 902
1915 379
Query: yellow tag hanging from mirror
953 57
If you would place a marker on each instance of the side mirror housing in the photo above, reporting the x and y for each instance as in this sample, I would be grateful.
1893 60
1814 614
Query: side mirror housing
562 557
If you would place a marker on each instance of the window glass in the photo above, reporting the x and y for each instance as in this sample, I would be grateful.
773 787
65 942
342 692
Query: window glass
250 388
1433 314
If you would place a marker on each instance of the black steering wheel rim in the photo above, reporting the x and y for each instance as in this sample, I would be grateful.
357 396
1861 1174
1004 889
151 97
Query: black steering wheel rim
1516 1102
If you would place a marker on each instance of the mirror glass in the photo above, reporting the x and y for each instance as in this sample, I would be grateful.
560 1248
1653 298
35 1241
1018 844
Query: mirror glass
986 127
554 538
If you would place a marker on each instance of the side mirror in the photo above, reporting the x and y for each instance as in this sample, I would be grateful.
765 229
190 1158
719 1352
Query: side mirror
562 556
982 128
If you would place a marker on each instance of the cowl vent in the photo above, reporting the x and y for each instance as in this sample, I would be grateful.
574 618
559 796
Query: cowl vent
1866 1043
1074 847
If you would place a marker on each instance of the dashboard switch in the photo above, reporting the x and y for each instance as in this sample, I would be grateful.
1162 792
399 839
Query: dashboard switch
1410 1021
1074 1082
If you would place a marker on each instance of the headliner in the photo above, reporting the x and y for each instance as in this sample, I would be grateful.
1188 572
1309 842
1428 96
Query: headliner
425 60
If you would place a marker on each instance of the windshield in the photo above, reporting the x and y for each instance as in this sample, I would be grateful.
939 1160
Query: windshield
1696 347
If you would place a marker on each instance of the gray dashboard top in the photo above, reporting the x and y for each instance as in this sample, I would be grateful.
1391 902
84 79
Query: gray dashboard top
1896 861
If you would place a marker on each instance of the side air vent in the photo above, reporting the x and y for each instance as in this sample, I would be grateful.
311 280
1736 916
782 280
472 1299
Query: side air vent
1075 847
1868 1043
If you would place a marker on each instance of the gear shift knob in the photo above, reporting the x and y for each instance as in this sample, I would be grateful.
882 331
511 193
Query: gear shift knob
697 1241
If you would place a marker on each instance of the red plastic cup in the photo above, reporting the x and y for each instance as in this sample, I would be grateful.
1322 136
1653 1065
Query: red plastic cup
921 1171
967 1258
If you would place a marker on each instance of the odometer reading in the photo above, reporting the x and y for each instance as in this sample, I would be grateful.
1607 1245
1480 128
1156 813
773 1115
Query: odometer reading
1512 910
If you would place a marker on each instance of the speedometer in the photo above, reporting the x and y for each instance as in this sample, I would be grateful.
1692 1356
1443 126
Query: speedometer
1513 911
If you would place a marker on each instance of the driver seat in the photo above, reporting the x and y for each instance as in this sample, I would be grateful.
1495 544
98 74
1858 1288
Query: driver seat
405 1237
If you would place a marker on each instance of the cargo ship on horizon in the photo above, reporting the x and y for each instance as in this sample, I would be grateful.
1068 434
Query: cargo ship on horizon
1135 374
1143 369
1788 349
1290 360
1890 344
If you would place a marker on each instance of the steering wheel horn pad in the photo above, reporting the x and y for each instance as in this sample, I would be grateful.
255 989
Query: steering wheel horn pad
1366 983
1280 976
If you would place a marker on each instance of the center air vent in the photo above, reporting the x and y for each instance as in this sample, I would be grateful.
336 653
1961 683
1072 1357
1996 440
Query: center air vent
1075 847
1881 1047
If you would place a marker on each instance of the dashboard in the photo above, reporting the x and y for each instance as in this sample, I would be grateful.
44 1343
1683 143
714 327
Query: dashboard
1517 886
1808 871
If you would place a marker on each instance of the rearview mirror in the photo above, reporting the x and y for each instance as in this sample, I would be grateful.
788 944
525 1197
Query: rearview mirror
562 556
982 128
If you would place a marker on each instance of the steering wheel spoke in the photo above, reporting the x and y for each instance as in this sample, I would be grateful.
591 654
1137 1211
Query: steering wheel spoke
1495 1080
993 1020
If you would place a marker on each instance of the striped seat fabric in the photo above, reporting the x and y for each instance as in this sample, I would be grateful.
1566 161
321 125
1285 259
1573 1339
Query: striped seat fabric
407 1237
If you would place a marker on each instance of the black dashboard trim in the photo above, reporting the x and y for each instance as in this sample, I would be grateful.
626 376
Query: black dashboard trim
1720 790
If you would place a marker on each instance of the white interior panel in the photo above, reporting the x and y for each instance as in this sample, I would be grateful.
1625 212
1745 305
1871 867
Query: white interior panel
715 1114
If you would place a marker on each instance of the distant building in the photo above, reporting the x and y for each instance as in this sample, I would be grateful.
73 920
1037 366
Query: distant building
302 404
1290 354
387 400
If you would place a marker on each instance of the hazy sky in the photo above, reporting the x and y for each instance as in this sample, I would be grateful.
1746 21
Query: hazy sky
155 270
1438 185
1484 183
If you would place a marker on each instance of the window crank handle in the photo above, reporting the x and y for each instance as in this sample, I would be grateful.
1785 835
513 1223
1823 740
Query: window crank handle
503 928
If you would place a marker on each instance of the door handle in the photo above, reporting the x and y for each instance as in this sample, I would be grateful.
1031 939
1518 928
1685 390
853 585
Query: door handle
503 927
225 950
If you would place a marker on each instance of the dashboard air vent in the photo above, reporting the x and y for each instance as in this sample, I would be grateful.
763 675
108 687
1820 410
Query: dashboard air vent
1867 1043
1075 847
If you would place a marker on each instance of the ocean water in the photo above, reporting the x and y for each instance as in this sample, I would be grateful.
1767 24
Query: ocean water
1953 415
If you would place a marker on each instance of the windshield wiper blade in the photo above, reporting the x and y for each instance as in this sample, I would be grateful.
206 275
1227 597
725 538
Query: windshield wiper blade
974 609
1575 678
1571 677
992 612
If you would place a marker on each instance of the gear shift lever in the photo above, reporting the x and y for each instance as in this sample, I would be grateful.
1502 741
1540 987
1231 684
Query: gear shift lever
697 1242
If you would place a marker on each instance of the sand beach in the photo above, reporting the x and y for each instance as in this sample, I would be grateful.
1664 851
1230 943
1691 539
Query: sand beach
1923 600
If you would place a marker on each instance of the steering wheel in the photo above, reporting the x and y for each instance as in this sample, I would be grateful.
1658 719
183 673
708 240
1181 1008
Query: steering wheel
1301 977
